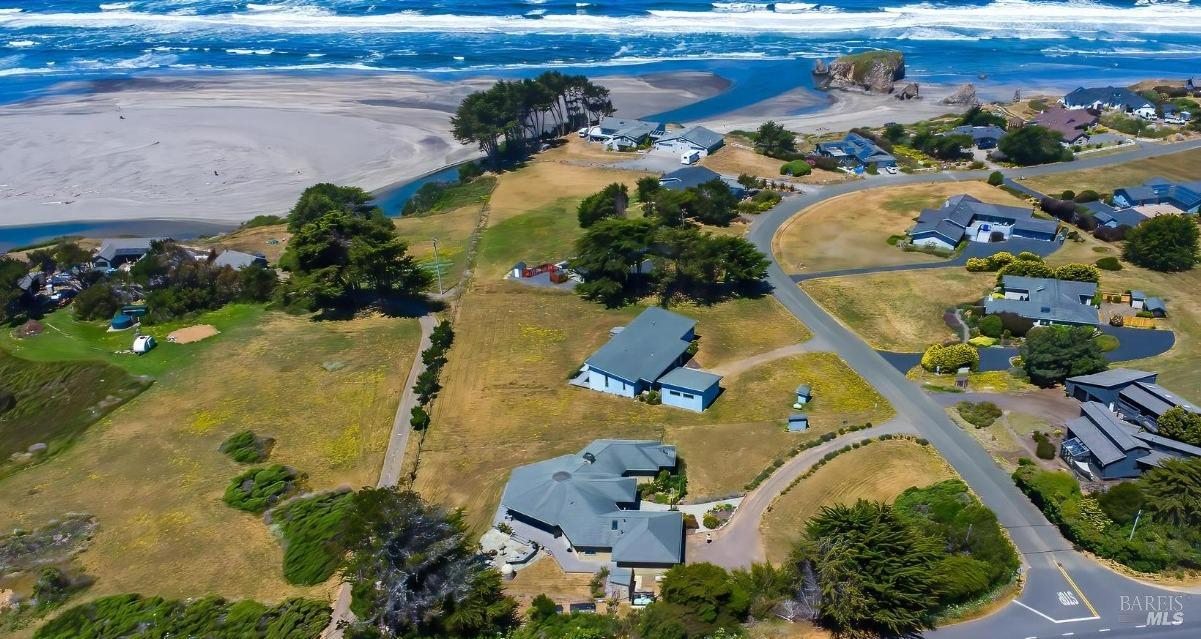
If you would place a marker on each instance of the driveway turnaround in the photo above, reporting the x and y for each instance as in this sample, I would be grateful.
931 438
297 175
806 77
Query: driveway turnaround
1064 593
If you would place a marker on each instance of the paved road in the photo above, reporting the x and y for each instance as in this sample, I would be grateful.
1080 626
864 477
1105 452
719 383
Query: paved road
738 544
1064 591
389 474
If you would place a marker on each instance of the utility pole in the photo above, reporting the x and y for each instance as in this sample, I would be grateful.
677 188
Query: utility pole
438 267
1135 527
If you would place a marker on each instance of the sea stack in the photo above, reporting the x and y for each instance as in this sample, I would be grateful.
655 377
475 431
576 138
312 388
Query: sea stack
871 71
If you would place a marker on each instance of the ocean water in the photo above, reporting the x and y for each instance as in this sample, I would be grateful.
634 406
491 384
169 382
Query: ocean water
44 42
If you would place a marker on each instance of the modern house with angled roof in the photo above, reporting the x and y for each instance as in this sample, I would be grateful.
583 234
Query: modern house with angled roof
963 216
1104 387
621 133
1112 217
1046 301
693 176
649 354
116 251
696 139
983 137
856 150
239 260
1185 196
1072 125
1102 445
1119 98
591 499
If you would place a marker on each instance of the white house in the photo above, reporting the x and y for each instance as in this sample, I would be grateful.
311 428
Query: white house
648 354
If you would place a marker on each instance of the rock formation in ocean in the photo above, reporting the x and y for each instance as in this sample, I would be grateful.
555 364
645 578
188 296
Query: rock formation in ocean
910 92
872 71
965 95
821 68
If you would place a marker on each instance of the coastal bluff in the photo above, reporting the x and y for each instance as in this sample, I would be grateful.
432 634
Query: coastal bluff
871 71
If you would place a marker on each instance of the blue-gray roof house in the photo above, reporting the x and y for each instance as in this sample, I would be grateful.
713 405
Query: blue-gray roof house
983 137
697 138
1185 196
591 498
238 260
1113 218
648 354
856 150
1109 98
1100 442
693 176
1046 301
115 251
964 216
622 133
1104 387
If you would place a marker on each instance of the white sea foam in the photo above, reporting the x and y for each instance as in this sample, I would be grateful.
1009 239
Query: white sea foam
250 51
1001 19
21 44
115 6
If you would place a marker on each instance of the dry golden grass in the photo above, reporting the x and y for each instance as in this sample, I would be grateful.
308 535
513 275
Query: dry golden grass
452 229
544 182
1185 165
506 401
152 474
254 240
735 160
546 578
780 629
881 471
899 311
852 230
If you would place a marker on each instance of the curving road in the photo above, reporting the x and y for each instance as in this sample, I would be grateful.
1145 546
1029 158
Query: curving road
1065 593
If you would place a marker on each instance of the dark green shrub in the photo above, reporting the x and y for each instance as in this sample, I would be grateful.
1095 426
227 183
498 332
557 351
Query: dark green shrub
246 447
137 617
996 178
1110 263
991 326
1087 195
1043 447
258 489
1122 502
419 419
796 168
313 533
1068 195
978 414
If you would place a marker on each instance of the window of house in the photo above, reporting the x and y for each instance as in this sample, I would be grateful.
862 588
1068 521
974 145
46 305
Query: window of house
688 395
676 393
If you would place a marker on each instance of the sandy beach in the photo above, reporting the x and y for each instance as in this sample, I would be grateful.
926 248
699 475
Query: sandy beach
231 147
228 147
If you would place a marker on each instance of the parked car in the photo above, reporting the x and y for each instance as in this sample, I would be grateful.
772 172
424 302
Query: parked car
891 170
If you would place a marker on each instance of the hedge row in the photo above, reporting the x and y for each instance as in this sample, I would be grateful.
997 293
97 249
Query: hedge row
797 450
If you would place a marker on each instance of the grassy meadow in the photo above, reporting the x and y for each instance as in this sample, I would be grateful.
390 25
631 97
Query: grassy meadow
852 231
151 473
882 470
899 311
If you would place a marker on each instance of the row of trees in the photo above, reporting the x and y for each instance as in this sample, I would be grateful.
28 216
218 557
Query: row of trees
511 113
711 203
683 261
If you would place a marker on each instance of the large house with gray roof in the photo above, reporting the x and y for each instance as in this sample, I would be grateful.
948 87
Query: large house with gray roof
696 139
649 354
1131 393
116 251
1118 98
623 134
591 498
964 217
1184 196
855 150
1046 301
1101 444
983 137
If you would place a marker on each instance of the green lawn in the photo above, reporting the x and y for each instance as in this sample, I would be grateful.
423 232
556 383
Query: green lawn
67 339
544 234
